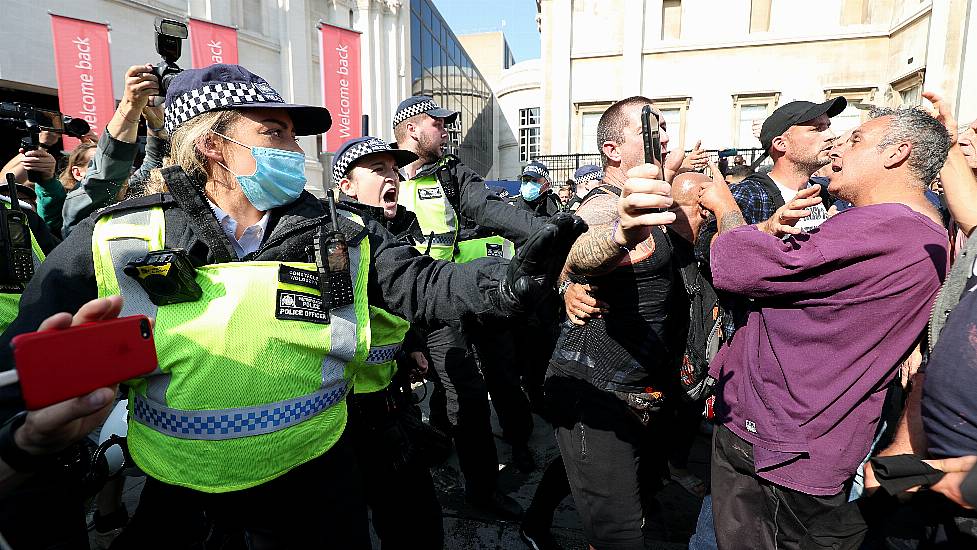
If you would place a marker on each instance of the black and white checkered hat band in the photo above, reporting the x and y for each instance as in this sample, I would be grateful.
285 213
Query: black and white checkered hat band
217 96
539 171
349 156
414 110
592 176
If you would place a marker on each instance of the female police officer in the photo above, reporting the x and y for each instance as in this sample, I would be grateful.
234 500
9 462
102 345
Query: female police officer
261 298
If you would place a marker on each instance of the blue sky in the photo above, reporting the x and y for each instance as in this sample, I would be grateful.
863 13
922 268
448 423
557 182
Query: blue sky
468 16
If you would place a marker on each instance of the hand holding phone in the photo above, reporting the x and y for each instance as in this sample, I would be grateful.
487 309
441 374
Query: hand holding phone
57 365
651 135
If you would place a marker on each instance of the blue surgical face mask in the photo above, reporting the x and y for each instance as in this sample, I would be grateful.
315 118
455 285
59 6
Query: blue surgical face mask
278 179
530 189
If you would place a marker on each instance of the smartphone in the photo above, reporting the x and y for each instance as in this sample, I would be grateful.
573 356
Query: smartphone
55 365
651 134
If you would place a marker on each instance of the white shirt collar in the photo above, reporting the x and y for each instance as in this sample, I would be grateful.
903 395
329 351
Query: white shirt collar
250 239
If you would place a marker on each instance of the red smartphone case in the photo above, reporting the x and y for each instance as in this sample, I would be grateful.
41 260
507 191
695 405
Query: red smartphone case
55 365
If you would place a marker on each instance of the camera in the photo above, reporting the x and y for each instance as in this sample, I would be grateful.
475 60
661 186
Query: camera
31 121
170 35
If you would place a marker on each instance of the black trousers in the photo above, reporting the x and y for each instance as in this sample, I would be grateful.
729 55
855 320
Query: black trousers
602 444
319 504
405 509
501 365
44 511
753 513
460 404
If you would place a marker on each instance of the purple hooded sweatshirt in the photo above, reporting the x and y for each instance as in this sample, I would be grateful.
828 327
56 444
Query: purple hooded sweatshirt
833 312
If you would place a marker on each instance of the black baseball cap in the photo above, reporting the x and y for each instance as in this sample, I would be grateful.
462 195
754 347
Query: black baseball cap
795 113
194 92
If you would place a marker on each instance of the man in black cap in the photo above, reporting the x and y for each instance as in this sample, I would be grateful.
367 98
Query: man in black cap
449 199
536 192
798 138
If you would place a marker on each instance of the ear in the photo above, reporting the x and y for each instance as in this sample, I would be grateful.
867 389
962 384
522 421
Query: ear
779 143
412 129
894 155
348 187
210 145
76 173
611 150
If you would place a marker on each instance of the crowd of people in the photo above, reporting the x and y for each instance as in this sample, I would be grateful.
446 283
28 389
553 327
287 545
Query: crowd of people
814 315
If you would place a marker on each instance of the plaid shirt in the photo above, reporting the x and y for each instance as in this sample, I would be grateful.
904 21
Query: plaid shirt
757 206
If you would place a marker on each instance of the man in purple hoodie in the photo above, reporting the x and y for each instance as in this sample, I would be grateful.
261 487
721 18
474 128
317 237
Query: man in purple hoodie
798 411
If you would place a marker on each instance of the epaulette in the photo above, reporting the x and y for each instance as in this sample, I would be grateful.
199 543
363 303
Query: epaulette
136 203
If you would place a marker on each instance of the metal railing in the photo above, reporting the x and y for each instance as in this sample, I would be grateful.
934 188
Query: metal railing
562 167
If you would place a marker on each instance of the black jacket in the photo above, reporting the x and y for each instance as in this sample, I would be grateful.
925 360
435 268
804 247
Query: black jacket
401 280
544 206
477 203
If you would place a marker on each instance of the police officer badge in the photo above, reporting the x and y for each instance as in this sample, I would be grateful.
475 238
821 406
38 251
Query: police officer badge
269 92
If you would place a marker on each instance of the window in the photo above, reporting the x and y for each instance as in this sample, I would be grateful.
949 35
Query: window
748 109
859 102
588 131
909 89
673 111
759 15
251 17
671 19
528 134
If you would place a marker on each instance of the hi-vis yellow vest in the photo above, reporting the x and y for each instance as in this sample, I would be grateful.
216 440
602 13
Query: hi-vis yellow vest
10 301
438 220
386 340
251 383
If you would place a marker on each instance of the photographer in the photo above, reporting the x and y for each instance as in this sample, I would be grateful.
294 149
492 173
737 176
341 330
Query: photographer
41 504
112 163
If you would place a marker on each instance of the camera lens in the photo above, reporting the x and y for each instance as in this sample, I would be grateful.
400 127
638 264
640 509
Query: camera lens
144 328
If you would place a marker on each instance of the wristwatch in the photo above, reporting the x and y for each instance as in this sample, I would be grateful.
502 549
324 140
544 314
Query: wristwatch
562 289
15 457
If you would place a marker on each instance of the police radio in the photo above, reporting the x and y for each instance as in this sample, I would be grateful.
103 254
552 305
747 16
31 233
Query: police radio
15 239
332 262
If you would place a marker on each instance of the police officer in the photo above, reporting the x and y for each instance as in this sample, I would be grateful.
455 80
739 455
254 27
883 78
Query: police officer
535 193
443 193
585 179
261 313
399 490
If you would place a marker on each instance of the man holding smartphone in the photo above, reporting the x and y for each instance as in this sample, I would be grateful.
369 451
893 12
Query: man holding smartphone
603 382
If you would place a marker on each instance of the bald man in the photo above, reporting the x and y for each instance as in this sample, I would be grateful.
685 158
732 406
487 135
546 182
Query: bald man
685 204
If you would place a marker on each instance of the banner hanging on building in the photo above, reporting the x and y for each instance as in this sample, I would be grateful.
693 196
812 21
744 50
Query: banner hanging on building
211 43
84 72
340 62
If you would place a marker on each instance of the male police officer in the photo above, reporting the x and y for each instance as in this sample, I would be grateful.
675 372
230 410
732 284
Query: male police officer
536 193
441 190
585 179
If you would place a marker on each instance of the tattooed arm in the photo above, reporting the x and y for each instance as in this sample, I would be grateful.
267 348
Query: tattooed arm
596 251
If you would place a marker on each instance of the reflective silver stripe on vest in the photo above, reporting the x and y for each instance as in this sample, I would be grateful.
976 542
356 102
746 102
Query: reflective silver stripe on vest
382 354
235 423
123 251
342 329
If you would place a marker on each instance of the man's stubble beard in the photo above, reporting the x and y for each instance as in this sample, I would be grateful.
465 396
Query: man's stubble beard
428 149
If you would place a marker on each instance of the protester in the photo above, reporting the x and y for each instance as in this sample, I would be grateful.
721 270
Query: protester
596 386
793 427
564 194
737 174
240 213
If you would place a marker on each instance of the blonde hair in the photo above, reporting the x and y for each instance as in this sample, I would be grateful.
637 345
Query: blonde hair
183 147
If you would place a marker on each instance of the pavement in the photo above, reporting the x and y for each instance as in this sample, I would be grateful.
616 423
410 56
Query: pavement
669 524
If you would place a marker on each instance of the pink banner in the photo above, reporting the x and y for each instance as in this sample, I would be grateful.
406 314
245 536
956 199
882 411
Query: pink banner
340 62
211 43
84 72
